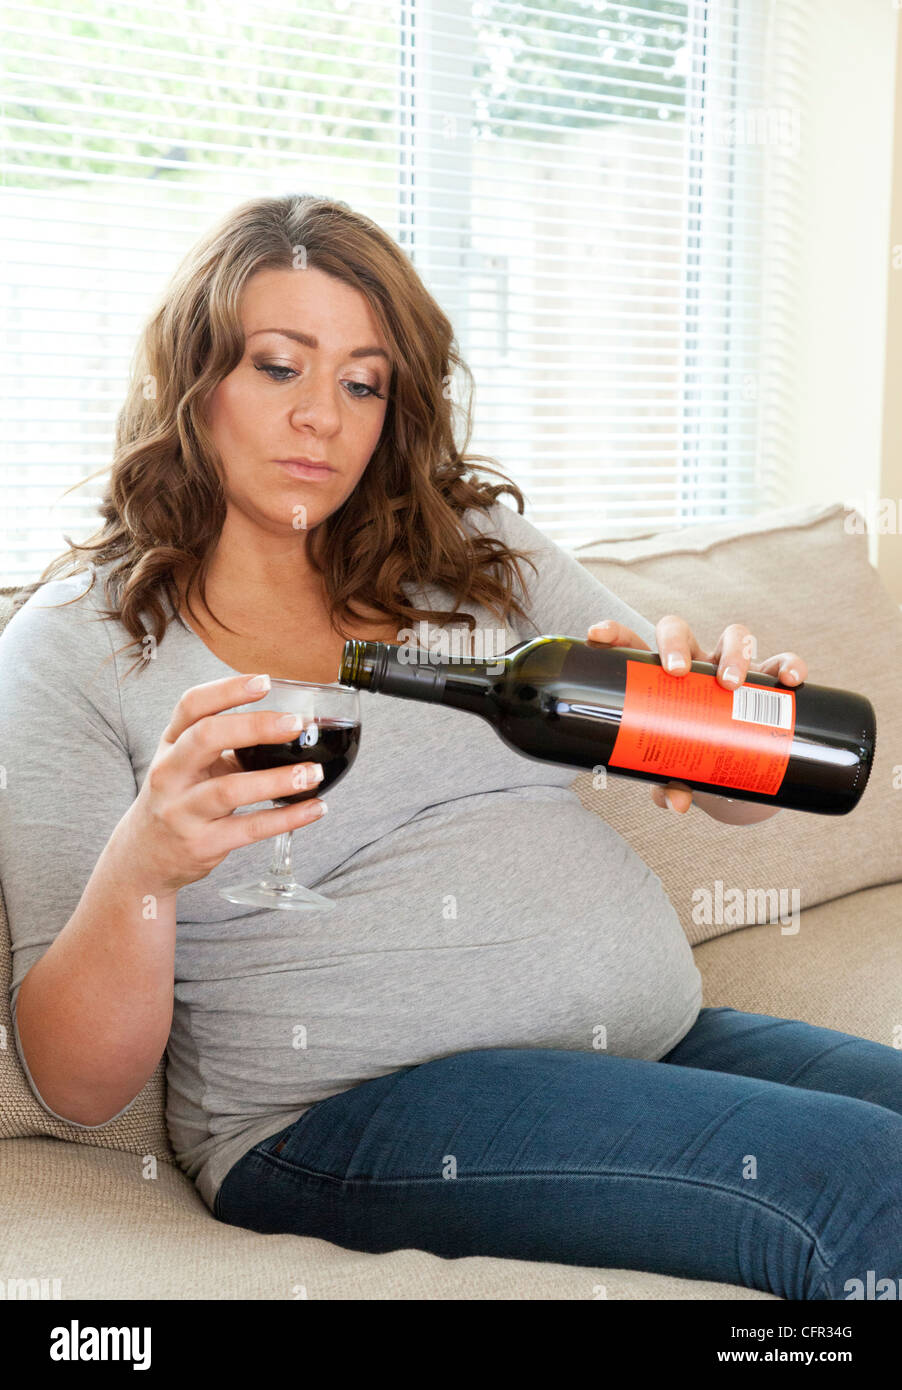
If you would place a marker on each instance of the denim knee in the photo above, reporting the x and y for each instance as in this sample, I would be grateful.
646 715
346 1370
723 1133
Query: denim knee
862 1234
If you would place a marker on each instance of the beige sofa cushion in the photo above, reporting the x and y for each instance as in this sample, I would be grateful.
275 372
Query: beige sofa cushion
800 582
842 969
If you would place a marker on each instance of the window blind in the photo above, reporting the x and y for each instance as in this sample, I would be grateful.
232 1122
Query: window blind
603 198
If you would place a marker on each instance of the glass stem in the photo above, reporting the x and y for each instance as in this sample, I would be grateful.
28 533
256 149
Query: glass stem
281 859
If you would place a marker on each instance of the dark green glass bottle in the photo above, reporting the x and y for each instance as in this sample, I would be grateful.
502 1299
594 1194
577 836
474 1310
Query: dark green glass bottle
562 700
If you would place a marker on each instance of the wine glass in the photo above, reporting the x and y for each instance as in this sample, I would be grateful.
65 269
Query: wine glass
331 737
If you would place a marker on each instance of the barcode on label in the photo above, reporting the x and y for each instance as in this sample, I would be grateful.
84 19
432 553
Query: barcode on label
772 707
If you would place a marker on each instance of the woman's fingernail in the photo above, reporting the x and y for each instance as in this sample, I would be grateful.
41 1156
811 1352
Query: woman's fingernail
258 683
731 674
793 674
669 802
674 662
290 721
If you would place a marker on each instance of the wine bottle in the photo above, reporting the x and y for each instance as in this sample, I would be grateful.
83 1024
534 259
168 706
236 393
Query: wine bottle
562 700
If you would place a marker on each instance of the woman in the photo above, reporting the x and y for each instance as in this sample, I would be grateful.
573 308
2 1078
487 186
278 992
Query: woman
465 1055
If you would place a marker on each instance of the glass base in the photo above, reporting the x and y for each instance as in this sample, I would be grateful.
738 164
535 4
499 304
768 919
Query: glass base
274 892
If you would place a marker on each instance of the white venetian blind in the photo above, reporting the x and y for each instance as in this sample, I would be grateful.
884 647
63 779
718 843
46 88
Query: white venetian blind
602 197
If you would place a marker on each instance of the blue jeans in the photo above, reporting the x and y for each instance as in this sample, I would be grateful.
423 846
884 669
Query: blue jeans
759 1151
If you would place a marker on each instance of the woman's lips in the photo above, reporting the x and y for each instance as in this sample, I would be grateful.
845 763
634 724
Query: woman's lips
305 470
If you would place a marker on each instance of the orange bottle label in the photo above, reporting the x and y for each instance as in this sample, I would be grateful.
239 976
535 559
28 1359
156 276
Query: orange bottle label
690 728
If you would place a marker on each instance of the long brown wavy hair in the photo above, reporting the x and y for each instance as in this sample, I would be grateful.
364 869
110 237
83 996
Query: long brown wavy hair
164 505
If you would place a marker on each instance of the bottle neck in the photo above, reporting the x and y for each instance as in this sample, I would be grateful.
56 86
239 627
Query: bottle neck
389 670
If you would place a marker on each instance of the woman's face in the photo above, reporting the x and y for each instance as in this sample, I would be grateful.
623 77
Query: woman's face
323 398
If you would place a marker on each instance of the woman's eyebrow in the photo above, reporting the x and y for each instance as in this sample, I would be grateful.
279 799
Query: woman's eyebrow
308 341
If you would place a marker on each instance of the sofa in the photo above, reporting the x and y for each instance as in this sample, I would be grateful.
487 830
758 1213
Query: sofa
108 1213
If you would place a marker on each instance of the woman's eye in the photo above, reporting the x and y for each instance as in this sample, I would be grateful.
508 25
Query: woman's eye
368 390
270 367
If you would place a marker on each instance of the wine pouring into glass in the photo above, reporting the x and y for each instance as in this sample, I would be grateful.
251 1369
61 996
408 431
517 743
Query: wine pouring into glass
328 734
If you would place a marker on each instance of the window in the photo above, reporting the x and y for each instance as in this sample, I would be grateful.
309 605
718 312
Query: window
597 194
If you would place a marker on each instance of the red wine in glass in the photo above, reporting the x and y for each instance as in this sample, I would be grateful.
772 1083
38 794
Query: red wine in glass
334 745
330 735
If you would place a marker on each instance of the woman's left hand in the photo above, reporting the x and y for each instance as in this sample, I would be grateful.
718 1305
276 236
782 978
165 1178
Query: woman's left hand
733 657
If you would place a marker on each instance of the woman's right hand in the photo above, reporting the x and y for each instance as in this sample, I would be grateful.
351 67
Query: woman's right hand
181 823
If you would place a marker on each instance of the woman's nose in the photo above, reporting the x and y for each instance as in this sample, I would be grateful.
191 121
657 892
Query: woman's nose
316 403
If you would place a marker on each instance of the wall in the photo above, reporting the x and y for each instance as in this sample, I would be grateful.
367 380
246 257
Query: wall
889 547
847 148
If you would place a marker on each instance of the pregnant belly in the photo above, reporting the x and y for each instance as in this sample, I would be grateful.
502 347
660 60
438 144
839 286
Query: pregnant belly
512 919
497 920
